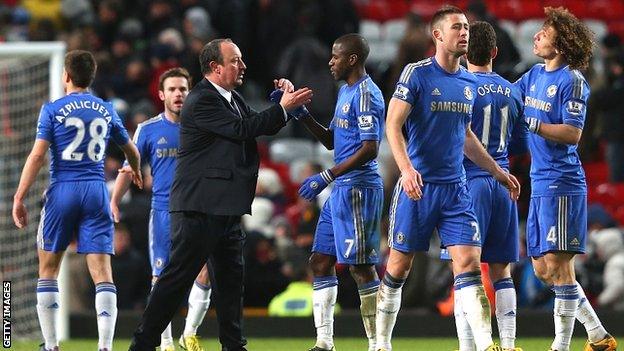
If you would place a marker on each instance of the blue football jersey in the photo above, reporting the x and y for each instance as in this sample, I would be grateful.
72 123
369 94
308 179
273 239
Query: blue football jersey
442 104
497 121
78 127
555 97
359 116
157 140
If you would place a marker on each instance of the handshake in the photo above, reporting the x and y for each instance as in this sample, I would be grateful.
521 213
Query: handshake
292 101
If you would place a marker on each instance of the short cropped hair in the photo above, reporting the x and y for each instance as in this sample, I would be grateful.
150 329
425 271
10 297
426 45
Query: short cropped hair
211 52
574 40
174 72
354 43
482 42
80 65
439 15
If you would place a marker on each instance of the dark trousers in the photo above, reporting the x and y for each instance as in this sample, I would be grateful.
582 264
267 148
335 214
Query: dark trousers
195 236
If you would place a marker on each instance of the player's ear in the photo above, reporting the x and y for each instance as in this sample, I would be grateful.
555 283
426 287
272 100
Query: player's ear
494 52
161 95
353 58
436 33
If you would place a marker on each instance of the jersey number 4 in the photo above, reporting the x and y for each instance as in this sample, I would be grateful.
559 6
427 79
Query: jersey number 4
97 145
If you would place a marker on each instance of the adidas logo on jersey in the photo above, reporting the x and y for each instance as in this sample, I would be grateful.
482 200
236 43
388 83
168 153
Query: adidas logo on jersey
574 242
436 92
54 306
510 314
162 140
532 88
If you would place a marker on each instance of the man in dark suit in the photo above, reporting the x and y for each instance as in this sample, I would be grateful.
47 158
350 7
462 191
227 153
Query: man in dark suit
213 187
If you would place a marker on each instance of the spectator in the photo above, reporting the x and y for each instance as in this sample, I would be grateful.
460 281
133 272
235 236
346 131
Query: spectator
508 56
131 272
609 245
609 105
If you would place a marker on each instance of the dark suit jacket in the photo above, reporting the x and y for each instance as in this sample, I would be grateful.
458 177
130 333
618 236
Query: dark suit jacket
217 164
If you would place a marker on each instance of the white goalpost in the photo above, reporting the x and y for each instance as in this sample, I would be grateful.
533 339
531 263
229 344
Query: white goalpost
30 75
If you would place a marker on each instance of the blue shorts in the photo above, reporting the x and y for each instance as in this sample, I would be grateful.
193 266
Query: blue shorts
159 240
556 224
349 225
78 210
446 207
497 215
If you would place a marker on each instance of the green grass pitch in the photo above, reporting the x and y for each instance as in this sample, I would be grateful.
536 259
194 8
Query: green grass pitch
303 344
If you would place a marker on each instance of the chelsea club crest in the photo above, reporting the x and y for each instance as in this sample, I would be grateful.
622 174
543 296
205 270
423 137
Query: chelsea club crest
468 93
551 91
345 108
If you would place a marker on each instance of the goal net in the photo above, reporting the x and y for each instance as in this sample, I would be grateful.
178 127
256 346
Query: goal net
30 74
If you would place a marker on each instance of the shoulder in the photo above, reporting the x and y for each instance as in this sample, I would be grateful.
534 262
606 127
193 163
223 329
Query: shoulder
574 78
414 69
145 126
467 75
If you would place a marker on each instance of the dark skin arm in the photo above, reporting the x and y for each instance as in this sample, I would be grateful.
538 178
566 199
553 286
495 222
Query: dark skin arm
324 135
367 152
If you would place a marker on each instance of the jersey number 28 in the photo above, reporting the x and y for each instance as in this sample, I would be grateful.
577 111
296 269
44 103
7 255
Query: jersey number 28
97 145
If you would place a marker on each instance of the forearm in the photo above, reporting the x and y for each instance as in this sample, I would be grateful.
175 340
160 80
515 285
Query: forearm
398 146
29 174
324 135
122 184
560 133
132 156
367 152
477 154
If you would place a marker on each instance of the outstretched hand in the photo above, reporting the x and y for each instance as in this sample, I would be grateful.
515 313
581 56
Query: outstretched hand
137 178
299 112
284 85
295 99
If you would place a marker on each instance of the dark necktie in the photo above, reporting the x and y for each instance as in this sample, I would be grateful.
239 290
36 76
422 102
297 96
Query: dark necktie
235 107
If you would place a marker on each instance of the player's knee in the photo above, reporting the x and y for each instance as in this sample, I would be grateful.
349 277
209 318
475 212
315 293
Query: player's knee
101 273
48 271
363 273
321 265
466 264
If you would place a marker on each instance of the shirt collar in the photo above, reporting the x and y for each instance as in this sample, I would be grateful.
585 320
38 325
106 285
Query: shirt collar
225 93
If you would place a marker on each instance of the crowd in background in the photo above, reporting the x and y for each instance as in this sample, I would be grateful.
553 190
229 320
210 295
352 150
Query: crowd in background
135 41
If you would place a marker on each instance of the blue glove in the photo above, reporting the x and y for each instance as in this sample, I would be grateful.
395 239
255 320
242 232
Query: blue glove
533 123
299 112
276 96
313 186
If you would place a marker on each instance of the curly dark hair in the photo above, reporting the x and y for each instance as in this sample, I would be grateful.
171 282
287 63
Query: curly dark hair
574 40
